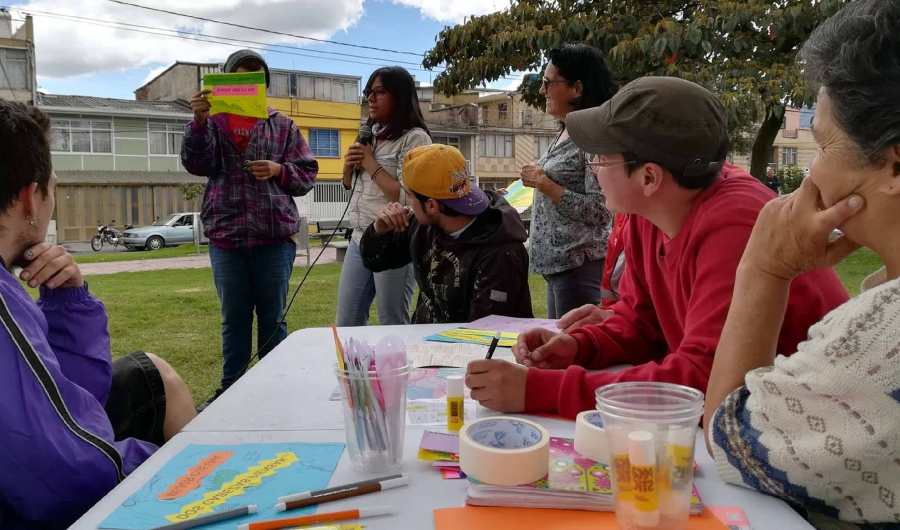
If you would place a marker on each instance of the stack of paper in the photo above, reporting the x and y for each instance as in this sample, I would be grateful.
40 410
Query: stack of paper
574 483
442 450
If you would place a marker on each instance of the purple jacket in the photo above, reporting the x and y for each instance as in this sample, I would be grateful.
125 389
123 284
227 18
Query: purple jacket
57 454
239 211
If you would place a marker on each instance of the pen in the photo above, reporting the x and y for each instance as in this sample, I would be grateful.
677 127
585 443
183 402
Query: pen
493 347
347 515
343 493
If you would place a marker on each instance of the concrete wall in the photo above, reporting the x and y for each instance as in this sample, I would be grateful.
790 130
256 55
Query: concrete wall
181 82
130 148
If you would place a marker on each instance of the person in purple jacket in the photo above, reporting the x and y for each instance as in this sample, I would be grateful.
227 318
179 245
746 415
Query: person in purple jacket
73 423
255 168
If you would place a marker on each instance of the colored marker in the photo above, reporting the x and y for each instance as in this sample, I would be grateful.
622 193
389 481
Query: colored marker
319 493
344 493
493 347
347 515
212 518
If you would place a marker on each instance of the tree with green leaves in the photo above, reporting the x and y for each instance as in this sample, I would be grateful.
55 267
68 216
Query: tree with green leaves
190 192
744 51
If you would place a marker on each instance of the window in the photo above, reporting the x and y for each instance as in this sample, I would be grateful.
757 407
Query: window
788 156
81 136
325 143
541 146
452 141
165 138
286 85
15 69
503 110
497 145
280 85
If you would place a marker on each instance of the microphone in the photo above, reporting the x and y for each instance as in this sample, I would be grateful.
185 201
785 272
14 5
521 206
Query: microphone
365 138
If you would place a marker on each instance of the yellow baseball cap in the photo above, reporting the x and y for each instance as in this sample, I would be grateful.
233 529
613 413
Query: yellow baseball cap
439 172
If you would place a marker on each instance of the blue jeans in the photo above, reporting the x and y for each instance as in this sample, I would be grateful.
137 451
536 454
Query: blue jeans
391 290
247 279
574 288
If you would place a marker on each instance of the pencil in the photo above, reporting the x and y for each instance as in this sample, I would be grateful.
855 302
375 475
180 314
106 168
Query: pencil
343 493
347 515
318 493
493 347
211 518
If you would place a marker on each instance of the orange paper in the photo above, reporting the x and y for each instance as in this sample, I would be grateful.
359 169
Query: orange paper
483 518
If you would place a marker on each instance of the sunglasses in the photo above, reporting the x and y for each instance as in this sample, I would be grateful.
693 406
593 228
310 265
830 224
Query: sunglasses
546 82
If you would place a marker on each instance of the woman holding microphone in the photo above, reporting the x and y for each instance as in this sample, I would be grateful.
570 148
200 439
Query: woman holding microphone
373 174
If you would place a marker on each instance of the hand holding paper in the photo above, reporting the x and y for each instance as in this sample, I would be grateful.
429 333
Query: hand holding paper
200 105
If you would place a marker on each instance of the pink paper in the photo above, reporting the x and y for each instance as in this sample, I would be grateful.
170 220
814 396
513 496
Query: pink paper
440 442
512 325
236 90
730 515
452 474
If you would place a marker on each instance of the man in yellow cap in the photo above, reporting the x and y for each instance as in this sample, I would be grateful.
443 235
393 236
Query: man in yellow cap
466 245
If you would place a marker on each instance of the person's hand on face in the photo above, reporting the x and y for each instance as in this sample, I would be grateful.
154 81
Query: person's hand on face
497 385
792 235
51 266
392 218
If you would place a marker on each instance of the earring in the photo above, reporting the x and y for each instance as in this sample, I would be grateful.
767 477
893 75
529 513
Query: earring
32 222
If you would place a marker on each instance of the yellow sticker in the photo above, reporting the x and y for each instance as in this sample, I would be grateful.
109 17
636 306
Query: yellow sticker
253 477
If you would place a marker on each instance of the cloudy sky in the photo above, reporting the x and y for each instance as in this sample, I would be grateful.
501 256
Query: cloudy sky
92 55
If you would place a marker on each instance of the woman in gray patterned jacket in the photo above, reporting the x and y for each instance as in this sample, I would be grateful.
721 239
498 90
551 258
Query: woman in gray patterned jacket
570 223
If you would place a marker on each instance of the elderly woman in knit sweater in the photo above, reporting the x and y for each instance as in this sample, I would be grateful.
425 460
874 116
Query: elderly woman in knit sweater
821 429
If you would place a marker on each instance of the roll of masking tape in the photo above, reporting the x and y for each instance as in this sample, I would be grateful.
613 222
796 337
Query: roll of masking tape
590 438
504 451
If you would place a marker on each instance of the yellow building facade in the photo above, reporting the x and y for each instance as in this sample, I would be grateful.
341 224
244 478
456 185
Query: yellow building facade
326 108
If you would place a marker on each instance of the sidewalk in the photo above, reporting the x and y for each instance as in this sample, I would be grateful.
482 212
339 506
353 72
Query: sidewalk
188 262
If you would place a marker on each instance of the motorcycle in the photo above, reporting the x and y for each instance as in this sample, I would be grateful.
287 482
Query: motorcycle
106 234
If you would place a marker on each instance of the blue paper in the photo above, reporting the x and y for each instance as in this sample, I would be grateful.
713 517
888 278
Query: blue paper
215 478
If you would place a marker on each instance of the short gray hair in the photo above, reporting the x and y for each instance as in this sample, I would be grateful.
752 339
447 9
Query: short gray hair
855 56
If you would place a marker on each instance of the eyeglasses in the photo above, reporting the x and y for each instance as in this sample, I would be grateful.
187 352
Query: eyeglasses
378 92
546 82
589 160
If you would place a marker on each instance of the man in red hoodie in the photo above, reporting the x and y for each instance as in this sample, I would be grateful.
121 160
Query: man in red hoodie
658 148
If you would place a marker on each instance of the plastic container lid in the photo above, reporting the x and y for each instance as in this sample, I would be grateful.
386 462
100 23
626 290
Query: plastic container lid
455 386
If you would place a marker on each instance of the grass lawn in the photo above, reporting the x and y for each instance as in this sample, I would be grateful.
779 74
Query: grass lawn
175 313
133 255
168 252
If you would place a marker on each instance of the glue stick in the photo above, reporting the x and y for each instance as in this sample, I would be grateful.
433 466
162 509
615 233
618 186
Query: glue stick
677 472
455 397
622 467
645 493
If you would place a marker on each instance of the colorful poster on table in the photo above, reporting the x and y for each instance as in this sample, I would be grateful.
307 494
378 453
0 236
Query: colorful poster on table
241 94
207 479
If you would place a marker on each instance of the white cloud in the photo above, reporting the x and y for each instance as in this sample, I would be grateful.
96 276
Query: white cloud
453 12
510 82
66 48
153 73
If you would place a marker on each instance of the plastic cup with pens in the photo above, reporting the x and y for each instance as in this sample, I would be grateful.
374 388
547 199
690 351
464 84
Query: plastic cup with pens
651 430
373 394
